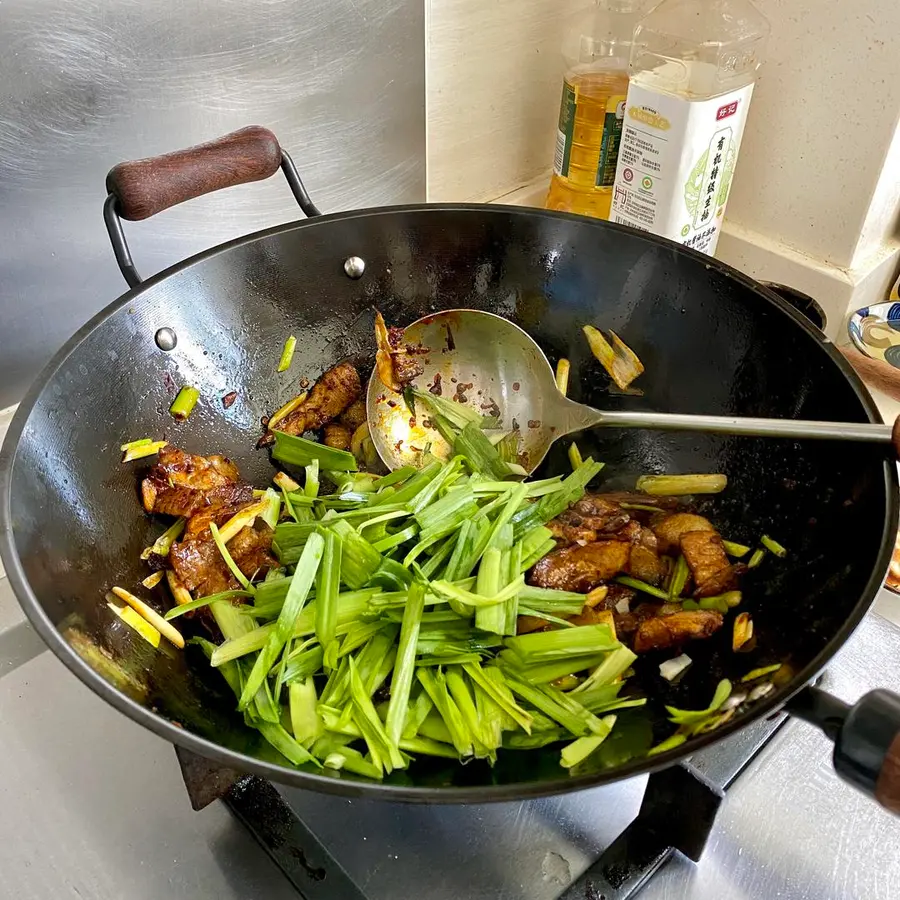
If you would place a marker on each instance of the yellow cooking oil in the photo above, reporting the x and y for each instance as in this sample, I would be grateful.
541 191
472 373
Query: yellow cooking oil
592 108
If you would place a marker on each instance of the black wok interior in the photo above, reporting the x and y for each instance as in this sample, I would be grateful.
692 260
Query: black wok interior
710 340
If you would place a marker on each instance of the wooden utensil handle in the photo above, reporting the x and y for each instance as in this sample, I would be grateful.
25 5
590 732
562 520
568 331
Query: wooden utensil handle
144 187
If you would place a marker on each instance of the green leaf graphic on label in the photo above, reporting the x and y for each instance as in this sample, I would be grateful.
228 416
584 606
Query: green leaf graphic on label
694 184
727 172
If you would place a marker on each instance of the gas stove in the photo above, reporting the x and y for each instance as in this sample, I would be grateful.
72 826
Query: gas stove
95 807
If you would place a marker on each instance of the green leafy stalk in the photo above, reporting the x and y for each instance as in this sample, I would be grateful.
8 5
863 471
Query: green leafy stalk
638 585
550 506
693 717
773 546
381 749
301 582
287 354
359 559
581 748
679 578
202 602
545 646
328 581
436 686
305 721
232 565
404 669
480 453
297 451
183 405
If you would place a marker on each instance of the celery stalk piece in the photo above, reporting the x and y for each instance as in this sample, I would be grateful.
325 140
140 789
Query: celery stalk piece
301 582
404 670
287 354
328 581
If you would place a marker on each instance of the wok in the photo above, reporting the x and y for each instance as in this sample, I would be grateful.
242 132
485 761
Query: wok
713 341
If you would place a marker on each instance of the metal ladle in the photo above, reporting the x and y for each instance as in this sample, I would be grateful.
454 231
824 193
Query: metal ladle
487 362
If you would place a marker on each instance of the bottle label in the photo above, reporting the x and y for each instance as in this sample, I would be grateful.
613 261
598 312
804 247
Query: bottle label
676 161
566 130
612 136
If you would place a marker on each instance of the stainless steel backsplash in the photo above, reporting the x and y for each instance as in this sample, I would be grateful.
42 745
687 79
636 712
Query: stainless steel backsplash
87 83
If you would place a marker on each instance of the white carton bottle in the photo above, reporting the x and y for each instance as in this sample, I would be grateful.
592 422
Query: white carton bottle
693 66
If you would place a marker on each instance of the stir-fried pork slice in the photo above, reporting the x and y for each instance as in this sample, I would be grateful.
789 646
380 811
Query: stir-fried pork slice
354 415
336 435
330 396
223 503
660 632
180 483
588 520
567 534
671 528
200 567
581 568
712 571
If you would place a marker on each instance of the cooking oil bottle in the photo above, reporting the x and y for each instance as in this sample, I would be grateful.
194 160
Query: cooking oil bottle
592 108
692 70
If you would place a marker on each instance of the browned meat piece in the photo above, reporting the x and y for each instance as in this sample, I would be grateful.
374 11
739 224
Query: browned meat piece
566 534
330 396
354 415
407 367
671 528
200 567
180 483
645 564
587 520
336 435
705 555
223 503
580 568
661 632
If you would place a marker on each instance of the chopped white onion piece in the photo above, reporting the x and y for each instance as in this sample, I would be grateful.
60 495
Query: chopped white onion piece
623 607
672 668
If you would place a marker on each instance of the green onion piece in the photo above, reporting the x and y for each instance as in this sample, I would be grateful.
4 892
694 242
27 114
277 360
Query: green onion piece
479 453
143 450
544 646
690 717
715 603
183 405
670 743
457 505
416 714
404 668
428 747
558 706
547 617
303 665
493 683
287 354
411 487
547 672
328 581
690 606
297 451
575 457
549 507
642 586
202 602
735 550
756 558
581 748
508 447
305 721
563 368
163 544
278 737
561 603
142 442
452 592
465 703
679 578
518 741
298 591
311 484
434 563
490 618
398 538
272 510
456 413
773 546
359 559
232 565
615 664
435 684
382 751
680 485
761 672
641 507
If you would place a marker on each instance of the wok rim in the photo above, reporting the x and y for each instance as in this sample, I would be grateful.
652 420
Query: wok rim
284 775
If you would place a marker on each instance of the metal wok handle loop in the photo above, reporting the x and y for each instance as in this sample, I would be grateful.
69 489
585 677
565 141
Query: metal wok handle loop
141 188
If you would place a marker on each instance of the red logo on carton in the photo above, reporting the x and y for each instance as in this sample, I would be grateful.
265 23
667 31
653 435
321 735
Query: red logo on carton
728 110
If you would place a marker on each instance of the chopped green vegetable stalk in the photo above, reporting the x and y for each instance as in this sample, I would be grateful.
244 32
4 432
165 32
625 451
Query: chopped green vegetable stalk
298 591
163 544
575 458
615 665
272 509
761 672
773 546
457 414
508 447
285 744
359 559
435 684
679 578
642 586
416 713
287 354
141 450
465 703
328 581
670 743
487 584
311 483
560 707
183 405
453 592
479 453
203 602
680 485
581 748
756 558
232 565
297 451
735 550
404 669
384 754
693 717
562 376
305 721
547 672
544 646
550 506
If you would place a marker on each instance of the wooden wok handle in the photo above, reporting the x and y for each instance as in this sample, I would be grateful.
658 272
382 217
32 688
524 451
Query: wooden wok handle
144 187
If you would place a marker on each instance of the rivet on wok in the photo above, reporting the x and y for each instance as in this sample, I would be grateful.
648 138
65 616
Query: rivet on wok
166 339
354 266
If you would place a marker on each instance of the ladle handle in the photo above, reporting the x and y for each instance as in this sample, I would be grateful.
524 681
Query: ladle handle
576 417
